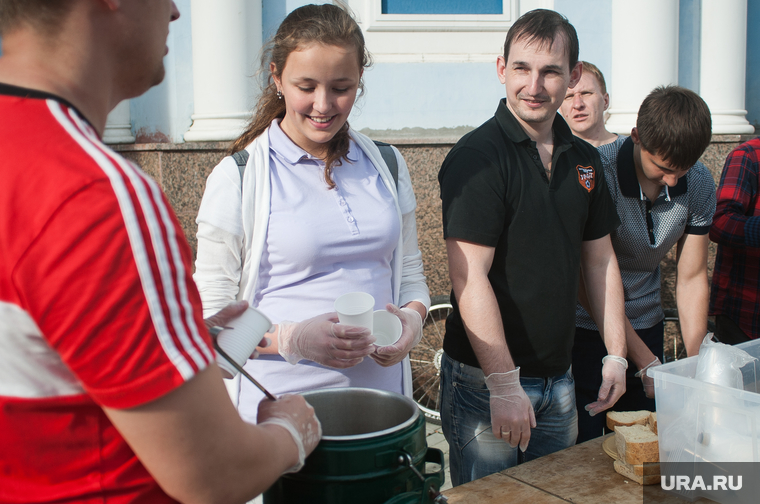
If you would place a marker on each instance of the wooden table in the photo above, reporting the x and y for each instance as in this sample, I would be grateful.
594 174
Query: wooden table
580 474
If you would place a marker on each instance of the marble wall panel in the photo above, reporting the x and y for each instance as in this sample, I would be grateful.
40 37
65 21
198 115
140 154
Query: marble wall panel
714 158
424 163
181 169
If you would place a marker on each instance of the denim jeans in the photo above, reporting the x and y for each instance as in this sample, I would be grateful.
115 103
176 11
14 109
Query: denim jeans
474 452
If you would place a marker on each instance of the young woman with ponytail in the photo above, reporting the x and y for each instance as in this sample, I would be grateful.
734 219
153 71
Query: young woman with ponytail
316 214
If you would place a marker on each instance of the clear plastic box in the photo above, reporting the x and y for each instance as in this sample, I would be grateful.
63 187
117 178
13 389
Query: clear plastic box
702 422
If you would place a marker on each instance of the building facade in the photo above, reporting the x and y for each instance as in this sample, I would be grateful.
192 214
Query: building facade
434 63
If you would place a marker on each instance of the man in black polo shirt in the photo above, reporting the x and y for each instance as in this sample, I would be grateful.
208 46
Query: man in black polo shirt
525 209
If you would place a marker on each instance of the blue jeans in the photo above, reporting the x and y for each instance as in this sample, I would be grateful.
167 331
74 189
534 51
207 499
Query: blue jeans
474 452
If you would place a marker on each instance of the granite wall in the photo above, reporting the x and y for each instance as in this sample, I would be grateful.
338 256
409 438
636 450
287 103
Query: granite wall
181 169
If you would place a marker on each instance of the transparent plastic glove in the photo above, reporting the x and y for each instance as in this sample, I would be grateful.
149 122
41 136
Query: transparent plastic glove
512 415
322 340
295 415
613 384
411 334
646 380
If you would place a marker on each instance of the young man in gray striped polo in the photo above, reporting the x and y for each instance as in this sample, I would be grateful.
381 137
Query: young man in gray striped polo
664 197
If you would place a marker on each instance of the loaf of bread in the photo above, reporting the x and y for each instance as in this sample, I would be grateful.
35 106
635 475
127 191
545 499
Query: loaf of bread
653 421
627 418
630 472
636 444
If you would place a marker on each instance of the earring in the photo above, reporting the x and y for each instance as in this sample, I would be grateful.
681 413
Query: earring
279 94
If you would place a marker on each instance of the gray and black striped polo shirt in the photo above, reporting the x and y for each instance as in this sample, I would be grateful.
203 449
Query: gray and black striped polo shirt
648 230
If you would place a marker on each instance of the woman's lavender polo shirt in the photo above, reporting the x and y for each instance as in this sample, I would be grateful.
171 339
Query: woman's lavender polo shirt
322 243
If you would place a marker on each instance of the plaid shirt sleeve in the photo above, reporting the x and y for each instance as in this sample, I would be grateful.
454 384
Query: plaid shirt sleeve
736 222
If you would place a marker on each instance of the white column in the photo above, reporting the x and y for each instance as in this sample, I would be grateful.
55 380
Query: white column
119 125
226 43
644 56
723 64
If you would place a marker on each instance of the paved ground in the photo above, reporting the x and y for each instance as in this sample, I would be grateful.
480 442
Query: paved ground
435 439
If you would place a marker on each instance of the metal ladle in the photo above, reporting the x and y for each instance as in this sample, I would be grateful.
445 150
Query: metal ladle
214 333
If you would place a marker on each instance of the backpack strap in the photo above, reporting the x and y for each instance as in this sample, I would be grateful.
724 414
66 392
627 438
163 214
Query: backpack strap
241 158
386 151
390 159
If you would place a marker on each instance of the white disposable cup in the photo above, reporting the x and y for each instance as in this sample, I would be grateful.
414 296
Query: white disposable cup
355 308
387 328
240 338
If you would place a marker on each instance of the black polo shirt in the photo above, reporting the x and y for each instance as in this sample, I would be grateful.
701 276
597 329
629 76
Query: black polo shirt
495 193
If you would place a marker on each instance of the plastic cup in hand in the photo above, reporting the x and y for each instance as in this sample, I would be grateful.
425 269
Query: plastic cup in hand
386 328
355 308
240 338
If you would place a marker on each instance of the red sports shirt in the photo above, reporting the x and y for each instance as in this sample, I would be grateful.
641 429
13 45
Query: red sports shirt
97 307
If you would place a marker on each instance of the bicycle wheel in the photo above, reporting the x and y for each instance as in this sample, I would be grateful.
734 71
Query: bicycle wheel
426 359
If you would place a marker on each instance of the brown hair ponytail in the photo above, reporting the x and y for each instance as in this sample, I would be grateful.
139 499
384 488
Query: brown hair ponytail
325 24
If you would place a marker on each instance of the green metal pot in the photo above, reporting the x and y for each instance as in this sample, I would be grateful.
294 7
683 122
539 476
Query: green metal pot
373 451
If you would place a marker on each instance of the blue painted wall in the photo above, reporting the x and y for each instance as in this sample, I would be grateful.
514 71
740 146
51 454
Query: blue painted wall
688 44
442 6
427 95
163 113
752 94
592 20
451 95
274 11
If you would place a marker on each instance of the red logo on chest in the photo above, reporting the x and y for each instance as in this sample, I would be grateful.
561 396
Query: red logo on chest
586 177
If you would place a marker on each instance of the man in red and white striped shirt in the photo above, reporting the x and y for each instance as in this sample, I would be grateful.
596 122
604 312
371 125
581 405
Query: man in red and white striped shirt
108 387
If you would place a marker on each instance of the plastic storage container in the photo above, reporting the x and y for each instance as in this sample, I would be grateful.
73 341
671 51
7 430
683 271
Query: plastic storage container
703 422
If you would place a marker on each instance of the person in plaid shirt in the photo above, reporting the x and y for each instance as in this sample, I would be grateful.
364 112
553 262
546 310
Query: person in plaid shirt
736 230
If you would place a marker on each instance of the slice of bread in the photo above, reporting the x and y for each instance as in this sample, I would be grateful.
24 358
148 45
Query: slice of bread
636 444
629 471
646 469
653 421
627 418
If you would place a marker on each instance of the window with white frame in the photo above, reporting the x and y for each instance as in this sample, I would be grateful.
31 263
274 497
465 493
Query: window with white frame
402 31
437 7
436 30
439 15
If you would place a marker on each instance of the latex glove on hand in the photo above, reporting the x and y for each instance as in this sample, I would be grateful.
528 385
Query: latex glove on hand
512 415
323 340
296 416
646 380
411 334
613 384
